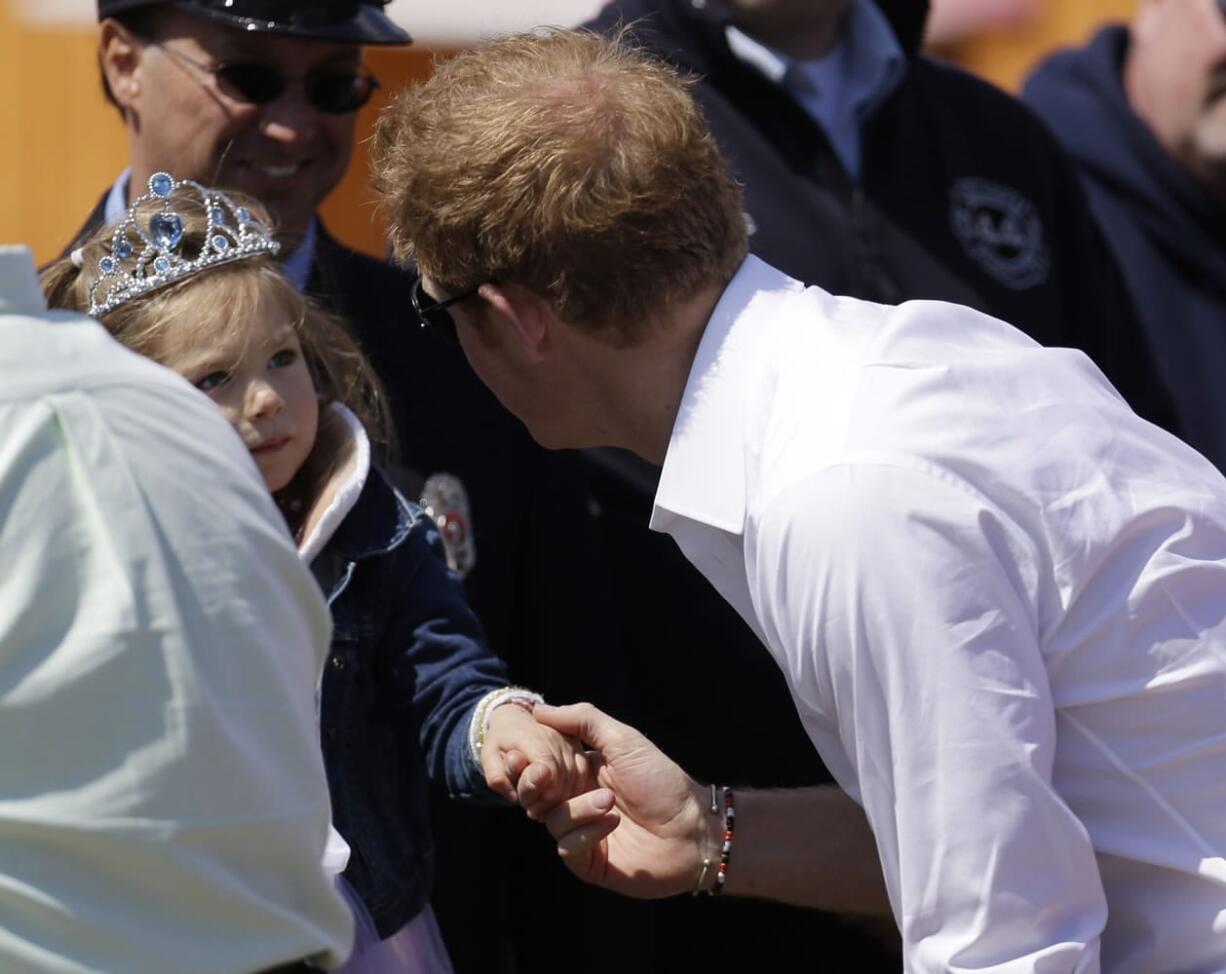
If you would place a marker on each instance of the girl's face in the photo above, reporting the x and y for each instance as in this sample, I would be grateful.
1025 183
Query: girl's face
259 378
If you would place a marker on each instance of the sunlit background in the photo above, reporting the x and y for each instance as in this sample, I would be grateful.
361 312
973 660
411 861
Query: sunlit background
62 144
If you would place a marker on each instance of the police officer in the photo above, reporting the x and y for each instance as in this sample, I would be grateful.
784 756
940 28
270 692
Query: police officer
262 96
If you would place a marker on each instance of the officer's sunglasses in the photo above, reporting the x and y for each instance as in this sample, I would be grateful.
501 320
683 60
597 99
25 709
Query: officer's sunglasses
335 90
433 315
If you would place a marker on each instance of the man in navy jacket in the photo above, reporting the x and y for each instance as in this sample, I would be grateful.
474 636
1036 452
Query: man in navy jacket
882 174
1142 113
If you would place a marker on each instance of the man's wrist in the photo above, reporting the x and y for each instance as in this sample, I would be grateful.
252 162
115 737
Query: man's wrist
709 839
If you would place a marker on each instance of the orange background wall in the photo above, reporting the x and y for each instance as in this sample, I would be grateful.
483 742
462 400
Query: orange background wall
1006 57
61 144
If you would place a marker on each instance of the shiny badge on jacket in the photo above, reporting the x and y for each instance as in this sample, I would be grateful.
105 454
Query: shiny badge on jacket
444 498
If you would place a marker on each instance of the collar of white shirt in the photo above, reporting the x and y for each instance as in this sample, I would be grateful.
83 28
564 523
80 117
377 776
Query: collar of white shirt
19 290
704 473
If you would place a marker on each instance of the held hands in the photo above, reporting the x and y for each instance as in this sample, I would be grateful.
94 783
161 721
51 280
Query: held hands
645 829
519 753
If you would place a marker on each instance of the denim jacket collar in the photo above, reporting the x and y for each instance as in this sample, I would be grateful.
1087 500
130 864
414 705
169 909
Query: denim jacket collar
355 524
364 533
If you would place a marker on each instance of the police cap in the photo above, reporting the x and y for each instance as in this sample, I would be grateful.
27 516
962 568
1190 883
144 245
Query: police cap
345 21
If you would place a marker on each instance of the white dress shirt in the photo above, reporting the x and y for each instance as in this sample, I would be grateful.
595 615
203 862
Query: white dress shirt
163 805
999 599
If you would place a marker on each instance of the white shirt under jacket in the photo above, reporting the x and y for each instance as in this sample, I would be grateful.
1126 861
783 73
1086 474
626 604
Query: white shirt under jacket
163 804
999 599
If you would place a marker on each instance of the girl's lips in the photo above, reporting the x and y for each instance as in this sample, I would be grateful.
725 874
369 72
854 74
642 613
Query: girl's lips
268 446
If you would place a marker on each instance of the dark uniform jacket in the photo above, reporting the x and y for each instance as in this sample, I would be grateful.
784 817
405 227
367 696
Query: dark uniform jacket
1167 231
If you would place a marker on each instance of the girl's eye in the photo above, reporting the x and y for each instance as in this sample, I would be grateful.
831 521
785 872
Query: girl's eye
212 381
283 358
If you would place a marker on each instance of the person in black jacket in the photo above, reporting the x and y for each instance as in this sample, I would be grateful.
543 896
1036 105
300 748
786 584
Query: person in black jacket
879 173
1142 113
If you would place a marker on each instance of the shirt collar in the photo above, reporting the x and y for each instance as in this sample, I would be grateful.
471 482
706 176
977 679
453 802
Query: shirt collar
297 266
19 290
117 198
703 478
771 64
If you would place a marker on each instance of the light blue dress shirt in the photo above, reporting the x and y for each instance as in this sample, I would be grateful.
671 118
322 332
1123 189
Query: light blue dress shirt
839 90
163 801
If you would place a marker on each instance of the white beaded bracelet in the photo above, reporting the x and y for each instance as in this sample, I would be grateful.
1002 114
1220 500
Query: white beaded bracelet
480 723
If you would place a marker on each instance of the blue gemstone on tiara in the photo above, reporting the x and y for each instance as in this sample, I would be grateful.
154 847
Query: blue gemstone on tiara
244 237
161 184
166 230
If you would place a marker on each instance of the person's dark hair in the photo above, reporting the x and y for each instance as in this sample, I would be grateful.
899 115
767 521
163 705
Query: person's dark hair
143 22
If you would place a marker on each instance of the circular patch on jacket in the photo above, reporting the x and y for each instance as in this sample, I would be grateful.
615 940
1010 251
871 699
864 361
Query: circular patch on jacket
1001 231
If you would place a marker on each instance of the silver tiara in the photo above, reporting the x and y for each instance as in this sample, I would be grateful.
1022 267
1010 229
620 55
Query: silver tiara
232 234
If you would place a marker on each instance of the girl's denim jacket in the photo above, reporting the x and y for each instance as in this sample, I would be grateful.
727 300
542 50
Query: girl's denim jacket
408 664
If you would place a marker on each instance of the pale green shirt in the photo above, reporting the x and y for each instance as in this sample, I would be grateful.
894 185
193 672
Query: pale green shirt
163 805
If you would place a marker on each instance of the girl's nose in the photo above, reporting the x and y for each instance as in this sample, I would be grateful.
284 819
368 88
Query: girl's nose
263 401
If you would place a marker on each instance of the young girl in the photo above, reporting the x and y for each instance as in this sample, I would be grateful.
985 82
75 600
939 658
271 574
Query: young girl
410 690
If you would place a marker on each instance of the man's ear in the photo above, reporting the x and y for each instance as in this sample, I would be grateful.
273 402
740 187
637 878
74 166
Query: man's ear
528 315
119 55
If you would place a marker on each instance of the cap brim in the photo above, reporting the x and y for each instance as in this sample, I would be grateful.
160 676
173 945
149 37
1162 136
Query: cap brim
369 26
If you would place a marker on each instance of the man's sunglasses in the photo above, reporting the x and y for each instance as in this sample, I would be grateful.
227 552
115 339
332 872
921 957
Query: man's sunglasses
433 315
334 90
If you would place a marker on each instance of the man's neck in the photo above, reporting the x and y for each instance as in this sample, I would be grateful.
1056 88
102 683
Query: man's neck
643 388
803 39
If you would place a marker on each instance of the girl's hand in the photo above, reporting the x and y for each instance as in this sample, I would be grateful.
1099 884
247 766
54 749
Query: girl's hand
552 766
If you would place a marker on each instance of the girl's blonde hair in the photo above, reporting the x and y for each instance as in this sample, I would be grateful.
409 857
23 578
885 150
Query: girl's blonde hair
225 298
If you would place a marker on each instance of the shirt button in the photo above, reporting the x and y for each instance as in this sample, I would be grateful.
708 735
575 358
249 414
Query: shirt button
338 662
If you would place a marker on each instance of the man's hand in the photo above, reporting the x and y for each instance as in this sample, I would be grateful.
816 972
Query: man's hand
518 752
645 829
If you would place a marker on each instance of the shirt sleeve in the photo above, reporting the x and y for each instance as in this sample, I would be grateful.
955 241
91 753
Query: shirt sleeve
901 604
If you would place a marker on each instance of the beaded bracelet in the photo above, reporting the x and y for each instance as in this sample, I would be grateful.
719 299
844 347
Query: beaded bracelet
725 854
480 722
